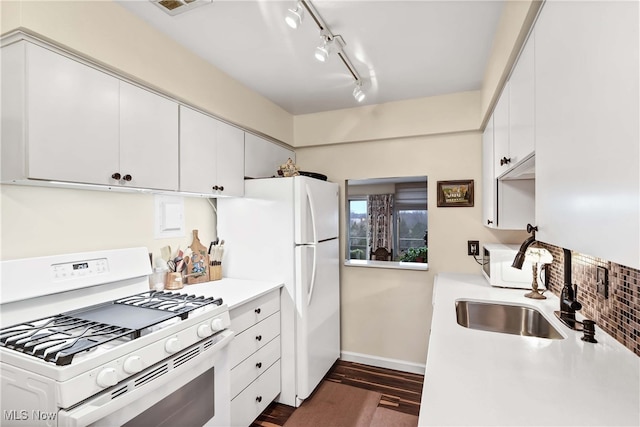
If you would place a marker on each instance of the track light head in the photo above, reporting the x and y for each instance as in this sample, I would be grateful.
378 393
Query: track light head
358 94
295 16
322 51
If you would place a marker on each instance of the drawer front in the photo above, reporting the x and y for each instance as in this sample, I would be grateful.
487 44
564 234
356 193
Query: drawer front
254 399
254 338
254 366
249 314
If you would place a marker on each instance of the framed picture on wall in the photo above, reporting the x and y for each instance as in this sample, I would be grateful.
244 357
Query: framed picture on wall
455 193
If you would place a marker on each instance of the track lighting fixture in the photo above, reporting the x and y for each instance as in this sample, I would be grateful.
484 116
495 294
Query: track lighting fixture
358 94
322 51
330 42
294 16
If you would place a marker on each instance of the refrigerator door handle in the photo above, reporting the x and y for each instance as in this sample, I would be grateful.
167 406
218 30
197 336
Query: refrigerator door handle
313 275
312 211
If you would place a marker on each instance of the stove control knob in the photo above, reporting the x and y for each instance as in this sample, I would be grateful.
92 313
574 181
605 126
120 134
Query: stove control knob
107 377
173 345
133 365
217 325
204 331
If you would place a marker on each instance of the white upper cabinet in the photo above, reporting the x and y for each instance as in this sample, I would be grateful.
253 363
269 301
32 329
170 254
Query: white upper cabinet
148 139
507 204
488 178
211 155
230 142
501 133
522 105
66 121
72 123
587 128
263 158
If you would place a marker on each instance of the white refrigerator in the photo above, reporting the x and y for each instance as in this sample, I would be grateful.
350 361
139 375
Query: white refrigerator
286 229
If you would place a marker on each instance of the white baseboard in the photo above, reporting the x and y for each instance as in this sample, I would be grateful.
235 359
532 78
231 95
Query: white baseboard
383 362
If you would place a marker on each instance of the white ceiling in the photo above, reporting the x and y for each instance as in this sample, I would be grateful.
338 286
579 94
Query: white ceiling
401 49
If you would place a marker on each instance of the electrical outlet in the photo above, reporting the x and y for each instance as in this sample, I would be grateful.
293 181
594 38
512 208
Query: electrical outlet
473 247
602 281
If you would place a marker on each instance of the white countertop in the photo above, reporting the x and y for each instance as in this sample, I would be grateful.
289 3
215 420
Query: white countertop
234 292
479 378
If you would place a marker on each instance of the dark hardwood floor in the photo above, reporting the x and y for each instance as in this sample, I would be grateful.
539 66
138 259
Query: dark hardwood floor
401 391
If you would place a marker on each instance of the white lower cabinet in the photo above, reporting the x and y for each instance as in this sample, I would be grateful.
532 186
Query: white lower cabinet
255 357
246 406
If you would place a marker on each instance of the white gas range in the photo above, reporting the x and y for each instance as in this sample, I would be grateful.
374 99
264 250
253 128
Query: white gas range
83 341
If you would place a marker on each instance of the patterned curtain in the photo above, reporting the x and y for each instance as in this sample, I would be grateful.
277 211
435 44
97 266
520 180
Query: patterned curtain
380 219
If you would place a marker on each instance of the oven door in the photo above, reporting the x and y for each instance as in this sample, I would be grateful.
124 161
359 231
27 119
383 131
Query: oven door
189 388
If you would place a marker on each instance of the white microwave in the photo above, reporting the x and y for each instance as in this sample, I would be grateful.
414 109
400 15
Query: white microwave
496 267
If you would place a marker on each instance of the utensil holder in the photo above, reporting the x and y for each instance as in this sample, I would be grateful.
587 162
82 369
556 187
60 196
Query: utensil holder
157 280
174 281
215 271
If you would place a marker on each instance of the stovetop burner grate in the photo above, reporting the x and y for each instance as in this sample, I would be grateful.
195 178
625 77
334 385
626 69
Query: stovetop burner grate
57 339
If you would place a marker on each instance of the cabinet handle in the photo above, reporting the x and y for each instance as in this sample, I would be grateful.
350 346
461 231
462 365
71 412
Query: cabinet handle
489 222
505 161
116 176
259 365
259 338
215 188
259 399
127 177
257 310
221 188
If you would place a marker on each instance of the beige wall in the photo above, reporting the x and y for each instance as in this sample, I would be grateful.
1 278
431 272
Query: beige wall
387 313
38 221
456 112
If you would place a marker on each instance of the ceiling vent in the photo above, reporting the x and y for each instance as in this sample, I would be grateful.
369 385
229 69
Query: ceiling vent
175 7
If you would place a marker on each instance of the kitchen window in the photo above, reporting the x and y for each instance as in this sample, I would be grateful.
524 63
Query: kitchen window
389 213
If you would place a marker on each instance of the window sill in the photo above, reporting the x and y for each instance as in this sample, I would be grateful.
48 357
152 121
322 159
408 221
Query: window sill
387 264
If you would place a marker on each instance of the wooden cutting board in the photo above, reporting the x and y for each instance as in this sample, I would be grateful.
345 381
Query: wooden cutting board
199 262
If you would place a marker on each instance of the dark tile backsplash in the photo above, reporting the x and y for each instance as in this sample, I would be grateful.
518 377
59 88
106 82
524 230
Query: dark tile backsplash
619 315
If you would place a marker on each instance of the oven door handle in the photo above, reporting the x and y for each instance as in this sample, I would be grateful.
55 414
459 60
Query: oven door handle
100 407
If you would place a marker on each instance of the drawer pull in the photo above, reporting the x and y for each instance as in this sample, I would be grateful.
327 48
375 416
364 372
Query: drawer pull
259 337
257 310
259 365
259 399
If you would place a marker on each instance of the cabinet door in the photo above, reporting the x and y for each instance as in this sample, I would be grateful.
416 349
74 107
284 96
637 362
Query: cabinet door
488 178
501 133
148 139
198 164
262 157
587 128
521 105
72 112
230 158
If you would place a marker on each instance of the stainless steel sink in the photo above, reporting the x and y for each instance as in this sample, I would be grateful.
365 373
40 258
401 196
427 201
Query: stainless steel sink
505 318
